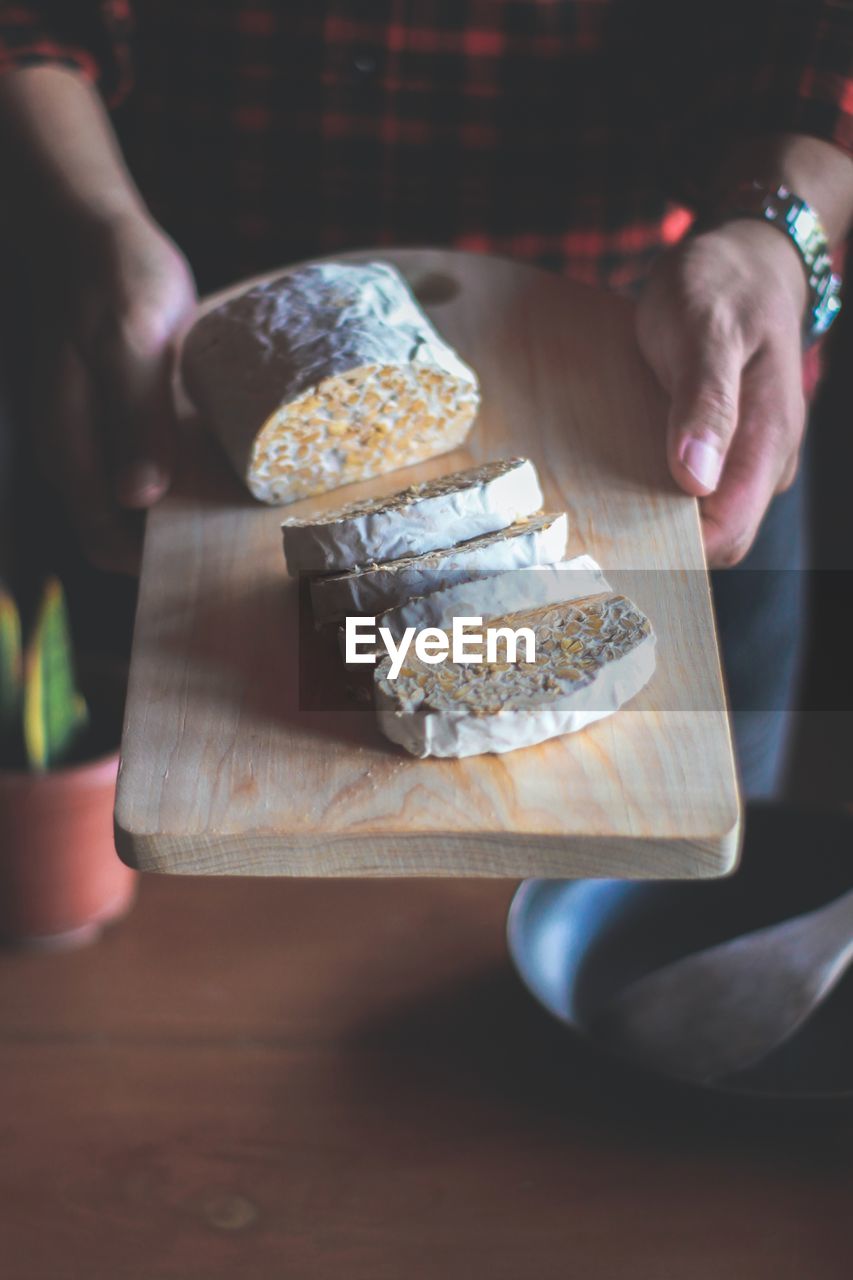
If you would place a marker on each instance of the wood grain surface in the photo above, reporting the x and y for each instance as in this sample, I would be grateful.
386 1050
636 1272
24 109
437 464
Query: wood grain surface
233 764
302 1080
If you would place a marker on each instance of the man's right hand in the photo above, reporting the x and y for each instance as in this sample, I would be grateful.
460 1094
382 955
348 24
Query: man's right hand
103 416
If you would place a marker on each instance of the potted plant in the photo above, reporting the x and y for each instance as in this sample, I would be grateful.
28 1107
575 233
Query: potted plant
61 880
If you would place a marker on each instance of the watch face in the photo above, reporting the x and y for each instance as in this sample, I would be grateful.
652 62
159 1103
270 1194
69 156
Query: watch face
804 225
806 231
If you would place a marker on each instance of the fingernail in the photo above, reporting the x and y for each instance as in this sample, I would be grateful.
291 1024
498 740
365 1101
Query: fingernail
141 483
702 460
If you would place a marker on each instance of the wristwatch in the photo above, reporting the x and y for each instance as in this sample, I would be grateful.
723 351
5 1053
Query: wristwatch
779 207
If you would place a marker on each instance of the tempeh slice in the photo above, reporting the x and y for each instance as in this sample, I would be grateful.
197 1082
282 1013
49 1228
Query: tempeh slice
591 657
509 592
423 517
372 590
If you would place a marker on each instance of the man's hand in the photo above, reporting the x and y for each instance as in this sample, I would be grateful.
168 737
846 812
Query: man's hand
720 322
103 416
110 294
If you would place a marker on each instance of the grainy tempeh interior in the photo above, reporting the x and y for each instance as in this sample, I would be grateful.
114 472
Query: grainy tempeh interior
573 642
358 425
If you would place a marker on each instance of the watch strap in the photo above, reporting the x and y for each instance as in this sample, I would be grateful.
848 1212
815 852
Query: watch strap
779 207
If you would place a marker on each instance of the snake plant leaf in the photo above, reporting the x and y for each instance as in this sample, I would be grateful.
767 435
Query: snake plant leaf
11 674
55 713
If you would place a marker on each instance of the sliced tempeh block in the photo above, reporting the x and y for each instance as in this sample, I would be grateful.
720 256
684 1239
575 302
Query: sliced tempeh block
328 374
424 517
591 657
376 588
503 593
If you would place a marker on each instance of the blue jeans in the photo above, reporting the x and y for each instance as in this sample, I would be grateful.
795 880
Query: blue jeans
761 609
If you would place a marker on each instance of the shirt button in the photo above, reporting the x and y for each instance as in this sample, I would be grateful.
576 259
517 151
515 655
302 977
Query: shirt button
364 64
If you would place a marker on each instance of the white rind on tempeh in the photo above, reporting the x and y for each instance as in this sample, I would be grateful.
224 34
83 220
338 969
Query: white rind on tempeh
503 593
373 590
592 657
423 517
326 375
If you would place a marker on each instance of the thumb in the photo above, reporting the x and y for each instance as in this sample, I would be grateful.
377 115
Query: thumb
133 377
703 418
143 295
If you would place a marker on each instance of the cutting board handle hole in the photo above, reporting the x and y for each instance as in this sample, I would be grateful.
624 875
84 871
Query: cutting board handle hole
433 288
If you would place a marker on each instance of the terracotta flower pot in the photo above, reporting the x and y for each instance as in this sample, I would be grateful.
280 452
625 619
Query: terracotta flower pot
61 879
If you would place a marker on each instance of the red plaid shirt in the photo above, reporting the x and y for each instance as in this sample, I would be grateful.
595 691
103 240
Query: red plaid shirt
555 131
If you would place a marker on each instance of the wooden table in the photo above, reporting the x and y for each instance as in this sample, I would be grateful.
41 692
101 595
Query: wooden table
227 769
305 1080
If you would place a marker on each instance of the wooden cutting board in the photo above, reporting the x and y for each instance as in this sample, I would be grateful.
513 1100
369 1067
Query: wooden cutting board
230 765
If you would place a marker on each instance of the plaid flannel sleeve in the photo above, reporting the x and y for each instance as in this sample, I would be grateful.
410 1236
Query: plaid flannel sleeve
781 67
807 85
88 36
750 67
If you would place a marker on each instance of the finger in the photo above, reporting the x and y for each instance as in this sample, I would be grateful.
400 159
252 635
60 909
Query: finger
759 462
132 363
789 474
703 417
73 461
